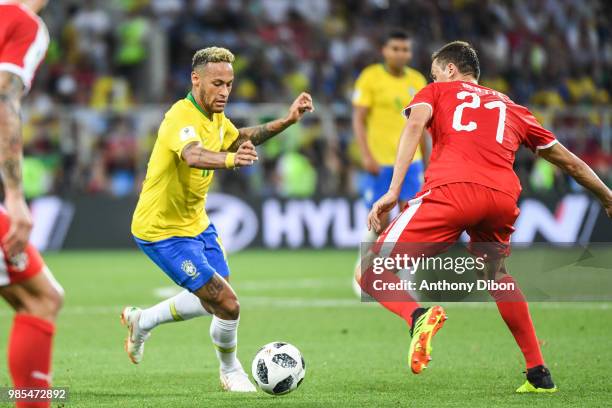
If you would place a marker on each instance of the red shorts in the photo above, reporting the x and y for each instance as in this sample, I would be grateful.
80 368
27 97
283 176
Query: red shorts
20 267
441 214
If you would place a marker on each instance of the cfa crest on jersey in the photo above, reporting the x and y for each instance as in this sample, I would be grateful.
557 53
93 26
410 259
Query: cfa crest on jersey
187 133
189 268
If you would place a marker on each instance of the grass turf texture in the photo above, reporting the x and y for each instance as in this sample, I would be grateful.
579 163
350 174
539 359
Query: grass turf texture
355 353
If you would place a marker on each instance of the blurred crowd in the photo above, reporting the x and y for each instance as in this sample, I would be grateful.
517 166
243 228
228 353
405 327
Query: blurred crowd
114 66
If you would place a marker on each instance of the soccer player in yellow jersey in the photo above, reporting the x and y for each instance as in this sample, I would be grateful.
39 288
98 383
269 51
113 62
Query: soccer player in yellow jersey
381 92
170 223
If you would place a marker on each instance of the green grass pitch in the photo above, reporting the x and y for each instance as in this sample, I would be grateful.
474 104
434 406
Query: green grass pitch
355 353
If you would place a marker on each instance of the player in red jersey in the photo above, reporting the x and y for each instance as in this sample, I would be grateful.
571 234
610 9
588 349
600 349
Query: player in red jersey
470 186
25 282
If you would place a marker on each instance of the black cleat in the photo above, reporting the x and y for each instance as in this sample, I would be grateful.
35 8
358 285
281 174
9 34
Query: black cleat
418 312
538 380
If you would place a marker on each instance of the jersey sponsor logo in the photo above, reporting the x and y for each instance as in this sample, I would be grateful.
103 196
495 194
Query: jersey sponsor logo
187 133
190 269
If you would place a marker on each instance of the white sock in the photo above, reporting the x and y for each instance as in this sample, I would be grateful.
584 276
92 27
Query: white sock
224 335
183 306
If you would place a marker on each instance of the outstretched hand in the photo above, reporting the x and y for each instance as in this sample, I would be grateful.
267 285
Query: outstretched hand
301 104
384 205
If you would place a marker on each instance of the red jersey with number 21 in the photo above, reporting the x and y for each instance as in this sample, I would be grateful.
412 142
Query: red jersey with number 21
476 132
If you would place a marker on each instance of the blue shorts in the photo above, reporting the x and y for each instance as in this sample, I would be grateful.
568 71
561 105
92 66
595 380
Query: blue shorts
189 262
373 187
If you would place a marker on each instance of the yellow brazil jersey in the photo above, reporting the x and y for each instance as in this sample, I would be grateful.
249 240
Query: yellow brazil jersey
173 195
386 96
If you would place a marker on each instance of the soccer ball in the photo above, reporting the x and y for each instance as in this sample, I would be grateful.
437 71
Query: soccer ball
278 368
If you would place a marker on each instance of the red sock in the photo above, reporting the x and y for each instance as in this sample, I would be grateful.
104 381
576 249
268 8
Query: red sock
514 310
29 354
398 302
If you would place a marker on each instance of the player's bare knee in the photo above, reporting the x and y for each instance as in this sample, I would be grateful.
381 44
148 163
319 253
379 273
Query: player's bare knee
50 296
231 308
45 305
55 301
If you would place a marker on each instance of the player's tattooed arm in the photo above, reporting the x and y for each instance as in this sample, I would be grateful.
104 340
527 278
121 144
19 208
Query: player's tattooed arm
259 134
11 91
571 164
196 156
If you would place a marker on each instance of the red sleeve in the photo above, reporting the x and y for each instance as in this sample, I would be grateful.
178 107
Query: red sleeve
536 137
25 45
426 96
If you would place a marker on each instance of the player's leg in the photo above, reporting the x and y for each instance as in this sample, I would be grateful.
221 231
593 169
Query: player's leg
373 188
491 237
36 301
185 261
514 310
184 305
220 298
224 305
412 185
427 226
427 219
376 188
180 259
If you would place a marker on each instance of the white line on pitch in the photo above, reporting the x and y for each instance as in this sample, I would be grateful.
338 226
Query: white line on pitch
306 303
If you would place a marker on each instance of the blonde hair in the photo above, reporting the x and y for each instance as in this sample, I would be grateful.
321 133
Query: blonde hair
211 54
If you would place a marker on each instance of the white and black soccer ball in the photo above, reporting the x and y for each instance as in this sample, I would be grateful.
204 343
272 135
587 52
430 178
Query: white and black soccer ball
278 368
